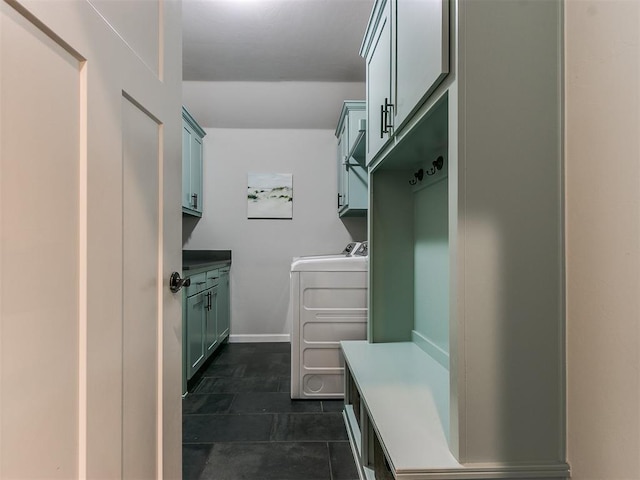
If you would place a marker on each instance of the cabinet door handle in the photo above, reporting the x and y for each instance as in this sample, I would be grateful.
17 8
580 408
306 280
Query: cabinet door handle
195 200
208 301
387 113
339 197
383 121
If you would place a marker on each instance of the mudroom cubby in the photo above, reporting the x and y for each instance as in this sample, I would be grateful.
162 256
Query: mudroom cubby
463 372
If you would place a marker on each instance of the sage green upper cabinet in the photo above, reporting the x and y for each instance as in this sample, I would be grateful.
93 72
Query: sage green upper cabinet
406 48
352 174
421 53
376 50
192 152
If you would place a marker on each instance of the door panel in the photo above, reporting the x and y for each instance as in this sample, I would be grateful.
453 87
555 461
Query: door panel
124 18
41 88
140 291
89 219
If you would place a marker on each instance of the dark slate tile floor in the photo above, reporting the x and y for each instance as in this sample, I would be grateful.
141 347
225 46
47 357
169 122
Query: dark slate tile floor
239 422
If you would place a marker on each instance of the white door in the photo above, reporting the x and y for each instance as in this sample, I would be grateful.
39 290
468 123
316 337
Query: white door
90 149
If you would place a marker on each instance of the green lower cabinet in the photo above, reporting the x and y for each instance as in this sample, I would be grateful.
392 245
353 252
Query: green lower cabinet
206 318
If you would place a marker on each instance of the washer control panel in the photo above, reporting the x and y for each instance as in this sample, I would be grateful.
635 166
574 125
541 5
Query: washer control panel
362 250
350 248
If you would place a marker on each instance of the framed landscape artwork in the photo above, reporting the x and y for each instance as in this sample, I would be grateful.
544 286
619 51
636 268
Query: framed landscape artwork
270 195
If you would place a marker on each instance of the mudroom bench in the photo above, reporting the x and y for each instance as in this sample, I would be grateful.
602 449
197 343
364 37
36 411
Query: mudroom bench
397 410
397 417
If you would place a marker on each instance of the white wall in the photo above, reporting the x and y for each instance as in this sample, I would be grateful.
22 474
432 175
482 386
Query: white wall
262 249
603 238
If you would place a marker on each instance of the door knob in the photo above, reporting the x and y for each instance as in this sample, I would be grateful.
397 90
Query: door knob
176 283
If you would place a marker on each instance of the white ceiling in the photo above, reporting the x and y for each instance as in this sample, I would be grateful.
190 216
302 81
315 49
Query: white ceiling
274 40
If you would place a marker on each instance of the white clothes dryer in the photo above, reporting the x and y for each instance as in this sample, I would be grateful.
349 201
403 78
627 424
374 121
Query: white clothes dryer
328 304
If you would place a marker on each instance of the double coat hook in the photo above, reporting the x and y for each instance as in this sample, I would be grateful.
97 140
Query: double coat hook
436 166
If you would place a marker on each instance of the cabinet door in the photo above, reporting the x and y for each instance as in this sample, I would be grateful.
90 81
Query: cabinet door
211 319
353 121
358 181
196 173
379 87
187 135
195 332
192 157
355 174
422 52
342 182
224 306
352 176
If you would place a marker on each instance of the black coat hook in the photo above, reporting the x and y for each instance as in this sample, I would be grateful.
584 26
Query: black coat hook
438 163
418 176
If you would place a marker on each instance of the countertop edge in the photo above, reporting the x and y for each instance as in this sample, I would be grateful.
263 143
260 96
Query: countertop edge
194 267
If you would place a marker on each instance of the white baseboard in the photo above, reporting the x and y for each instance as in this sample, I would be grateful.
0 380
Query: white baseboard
241 338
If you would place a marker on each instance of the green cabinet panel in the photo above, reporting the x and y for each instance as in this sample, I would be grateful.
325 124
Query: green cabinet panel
187 133
192 155
195 325
211 320
352 174
421 53
224 305
197 284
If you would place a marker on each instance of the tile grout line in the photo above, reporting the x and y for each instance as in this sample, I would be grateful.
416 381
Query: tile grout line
329 459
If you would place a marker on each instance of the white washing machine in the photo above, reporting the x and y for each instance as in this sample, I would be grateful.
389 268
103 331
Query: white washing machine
328 304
